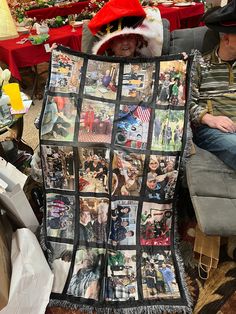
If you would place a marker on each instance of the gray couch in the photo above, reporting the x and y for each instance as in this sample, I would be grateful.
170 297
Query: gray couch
212 185
200 38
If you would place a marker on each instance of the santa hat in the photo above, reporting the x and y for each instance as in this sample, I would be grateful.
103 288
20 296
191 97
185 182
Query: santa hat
122 17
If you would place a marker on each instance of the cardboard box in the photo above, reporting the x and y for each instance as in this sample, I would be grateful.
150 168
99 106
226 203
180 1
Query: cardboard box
13 198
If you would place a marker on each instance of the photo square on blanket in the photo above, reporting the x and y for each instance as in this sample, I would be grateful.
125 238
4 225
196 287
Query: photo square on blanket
112 136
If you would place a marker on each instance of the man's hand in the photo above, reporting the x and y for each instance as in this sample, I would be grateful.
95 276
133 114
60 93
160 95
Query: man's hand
222 123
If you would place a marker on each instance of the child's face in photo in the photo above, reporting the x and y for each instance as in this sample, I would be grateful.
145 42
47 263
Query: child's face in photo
153 165
151 184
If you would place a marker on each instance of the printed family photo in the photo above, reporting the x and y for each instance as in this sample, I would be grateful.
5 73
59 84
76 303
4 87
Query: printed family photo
137 82
158 276
61 262
94 169
93 216
123 222
101 79
66 72
60 215
155 224
58 167
96 121
172 83
121 284
132 126
59 119
127 173
161 177
87 274
168 130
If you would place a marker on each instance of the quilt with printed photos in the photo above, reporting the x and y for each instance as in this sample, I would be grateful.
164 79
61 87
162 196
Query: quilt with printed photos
112 134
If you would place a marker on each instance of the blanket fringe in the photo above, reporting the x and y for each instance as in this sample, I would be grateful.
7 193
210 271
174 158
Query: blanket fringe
147 309
181 266
42 241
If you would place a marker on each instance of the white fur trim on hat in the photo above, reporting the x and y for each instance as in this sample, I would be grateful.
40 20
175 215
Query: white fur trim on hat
151 29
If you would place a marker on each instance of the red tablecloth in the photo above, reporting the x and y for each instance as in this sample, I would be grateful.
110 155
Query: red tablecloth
22 55
48 13
179 17
182 17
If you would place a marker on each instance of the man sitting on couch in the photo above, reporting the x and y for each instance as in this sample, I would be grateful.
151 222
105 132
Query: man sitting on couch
213 106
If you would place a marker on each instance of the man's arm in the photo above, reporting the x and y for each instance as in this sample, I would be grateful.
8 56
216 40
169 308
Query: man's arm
199 114
196 111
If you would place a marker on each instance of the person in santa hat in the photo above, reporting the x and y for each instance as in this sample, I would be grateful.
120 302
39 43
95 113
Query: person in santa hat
126 29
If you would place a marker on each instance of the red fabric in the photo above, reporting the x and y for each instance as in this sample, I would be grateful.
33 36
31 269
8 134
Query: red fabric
60 101
88 120
22 55
190 17
182 17
48 13
171 14
114 10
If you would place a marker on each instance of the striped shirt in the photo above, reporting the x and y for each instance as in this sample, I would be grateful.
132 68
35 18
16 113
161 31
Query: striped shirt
213 87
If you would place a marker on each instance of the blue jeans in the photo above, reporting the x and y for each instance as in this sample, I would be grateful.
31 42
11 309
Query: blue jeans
223 145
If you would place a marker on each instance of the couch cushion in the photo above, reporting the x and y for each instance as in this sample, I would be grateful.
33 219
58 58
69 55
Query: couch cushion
200 38
213 193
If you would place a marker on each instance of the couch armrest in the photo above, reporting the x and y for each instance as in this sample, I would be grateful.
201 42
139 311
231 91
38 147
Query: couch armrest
166 37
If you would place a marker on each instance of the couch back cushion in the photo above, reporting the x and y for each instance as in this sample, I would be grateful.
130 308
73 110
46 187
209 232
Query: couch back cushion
200 38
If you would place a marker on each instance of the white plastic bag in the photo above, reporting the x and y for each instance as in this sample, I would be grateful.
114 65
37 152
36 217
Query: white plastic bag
31 280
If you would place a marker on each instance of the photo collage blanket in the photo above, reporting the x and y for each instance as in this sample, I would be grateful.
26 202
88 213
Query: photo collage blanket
112 134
